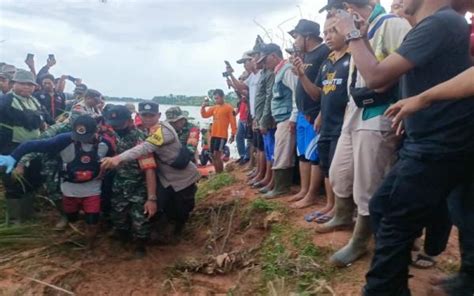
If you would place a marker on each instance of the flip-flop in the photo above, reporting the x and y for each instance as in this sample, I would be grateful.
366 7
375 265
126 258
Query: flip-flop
313 215
323 219
419 258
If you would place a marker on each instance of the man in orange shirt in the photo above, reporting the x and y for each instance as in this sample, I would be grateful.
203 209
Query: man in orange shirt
222 116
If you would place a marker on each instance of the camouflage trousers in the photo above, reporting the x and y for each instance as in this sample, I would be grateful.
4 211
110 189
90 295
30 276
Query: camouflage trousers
50 173
127 212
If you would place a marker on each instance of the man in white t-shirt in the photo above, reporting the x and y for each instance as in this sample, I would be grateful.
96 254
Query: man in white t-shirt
249 88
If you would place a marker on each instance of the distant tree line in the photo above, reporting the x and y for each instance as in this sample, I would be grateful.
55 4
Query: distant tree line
179 100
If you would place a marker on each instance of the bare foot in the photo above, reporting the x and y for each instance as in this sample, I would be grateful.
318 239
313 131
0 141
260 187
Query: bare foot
299 196
307 201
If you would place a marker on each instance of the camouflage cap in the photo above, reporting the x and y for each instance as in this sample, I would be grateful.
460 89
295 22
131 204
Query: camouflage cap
174 114
7 71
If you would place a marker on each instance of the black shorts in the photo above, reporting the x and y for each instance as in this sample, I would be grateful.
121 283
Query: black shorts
218 144
326 150
258 141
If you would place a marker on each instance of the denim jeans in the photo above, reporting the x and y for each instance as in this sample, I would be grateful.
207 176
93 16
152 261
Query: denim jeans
242 147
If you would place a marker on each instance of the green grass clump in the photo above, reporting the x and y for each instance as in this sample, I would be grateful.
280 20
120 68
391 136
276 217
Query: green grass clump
213 184
262 205
289 254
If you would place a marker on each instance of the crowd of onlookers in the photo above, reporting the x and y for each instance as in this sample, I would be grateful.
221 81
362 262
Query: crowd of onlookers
347 114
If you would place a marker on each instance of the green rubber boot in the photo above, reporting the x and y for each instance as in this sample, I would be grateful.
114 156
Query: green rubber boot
357 246
20 210
13 211
343 212
27 207
282 185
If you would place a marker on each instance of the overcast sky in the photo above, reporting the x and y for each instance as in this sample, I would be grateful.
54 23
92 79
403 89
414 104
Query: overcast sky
143 48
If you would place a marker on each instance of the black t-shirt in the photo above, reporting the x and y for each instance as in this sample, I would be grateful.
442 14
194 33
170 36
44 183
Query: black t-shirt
314 59
439 48
332 79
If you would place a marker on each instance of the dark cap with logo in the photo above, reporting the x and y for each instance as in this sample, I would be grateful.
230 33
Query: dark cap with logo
84 129
148 107
338 4
117 115
268 49
306 28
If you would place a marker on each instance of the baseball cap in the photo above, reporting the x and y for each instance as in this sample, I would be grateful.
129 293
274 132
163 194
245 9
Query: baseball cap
117 115
246 56
23 76
148 107
268 49
174 114
80 89
338 4
92 93
84 128
306 28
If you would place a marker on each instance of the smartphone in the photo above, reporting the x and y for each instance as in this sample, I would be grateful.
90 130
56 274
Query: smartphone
30 56
70 78
51 57
355 16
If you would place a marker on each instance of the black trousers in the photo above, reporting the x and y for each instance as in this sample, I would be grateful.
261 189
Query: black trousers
107 194
176 205
405 203
461 203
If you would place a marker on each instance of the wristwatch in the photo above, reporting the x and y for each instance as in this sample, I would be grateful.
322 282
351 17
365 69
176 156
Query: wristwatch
353 35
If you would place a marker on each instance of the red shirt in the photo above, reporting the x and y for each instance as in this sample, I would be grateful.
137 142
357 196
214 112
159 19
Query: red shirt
243 111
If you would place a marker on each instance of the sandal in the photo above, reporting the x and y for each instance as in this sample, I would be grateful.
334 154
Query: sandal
420 258
323 219
311 216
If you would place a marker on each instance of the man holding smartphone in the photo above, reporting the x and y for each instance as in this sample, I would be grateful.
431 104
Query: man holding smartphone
54 101
310 44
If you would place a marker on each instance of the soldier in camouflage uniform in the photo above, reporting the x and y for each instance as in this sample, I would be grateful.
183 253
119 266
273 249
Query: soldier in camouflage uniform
134 198
188 133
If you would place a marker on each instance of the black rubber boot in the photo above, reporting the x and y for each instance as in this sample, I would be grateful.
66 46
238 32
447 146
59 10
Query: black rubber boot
140 248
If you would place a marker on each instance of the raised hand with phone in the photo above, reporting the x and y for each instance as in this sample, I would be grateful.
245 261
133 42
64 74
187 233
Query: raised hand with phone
30 62
51 61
